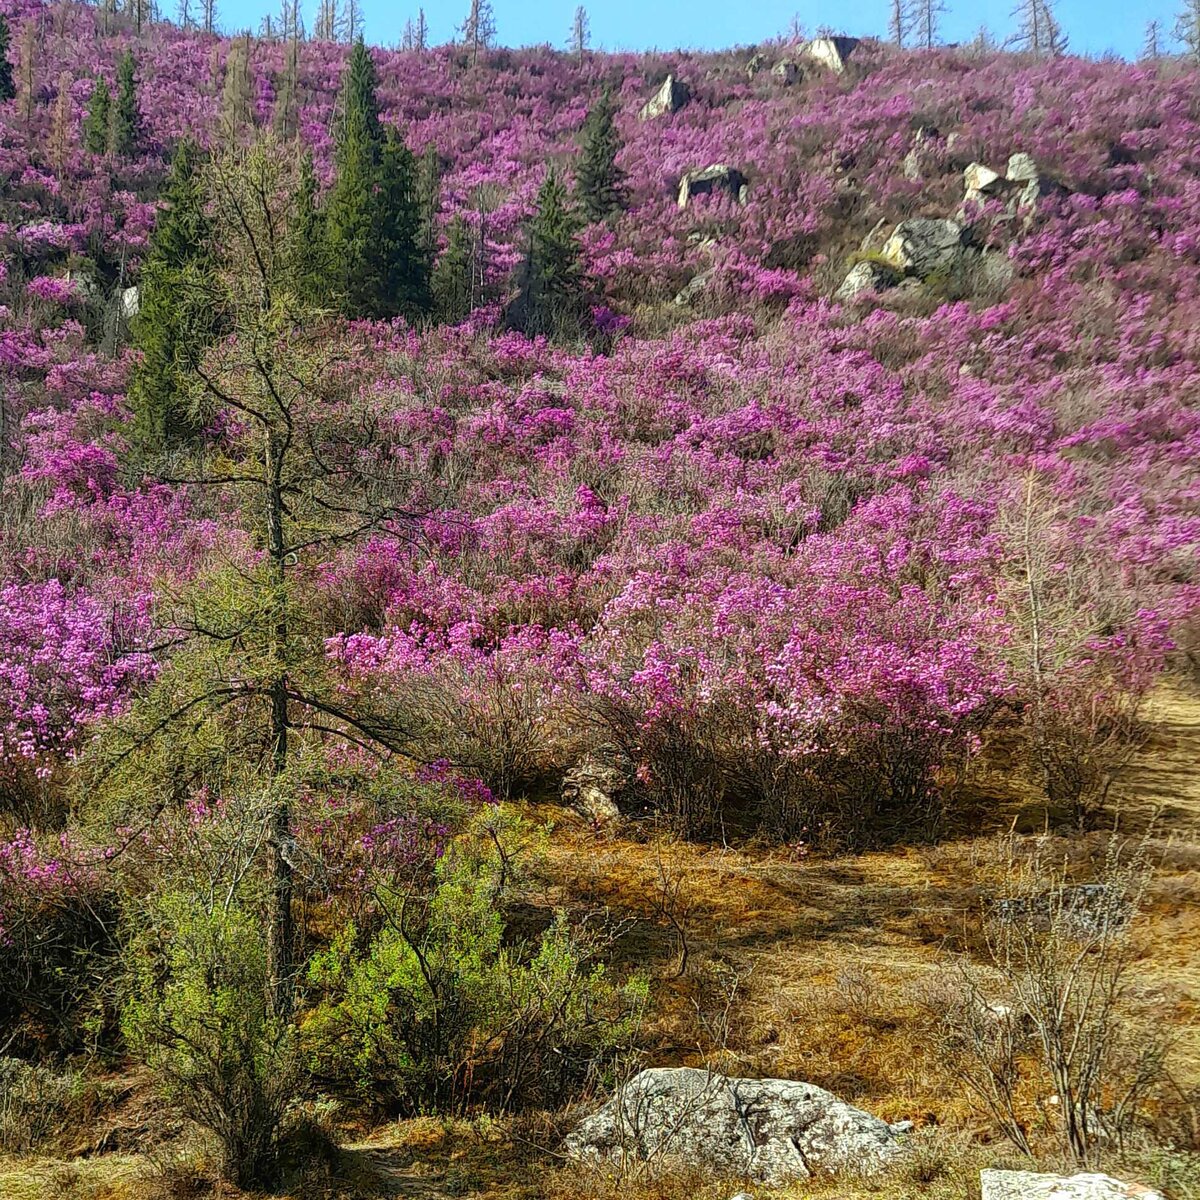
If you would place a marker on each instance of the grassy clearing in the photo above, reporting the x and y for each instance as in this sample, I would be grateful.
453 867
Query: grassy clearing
820 969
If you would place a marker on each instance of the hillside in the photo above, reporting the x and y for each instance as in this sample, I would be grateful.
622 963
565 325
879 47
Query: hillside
519 566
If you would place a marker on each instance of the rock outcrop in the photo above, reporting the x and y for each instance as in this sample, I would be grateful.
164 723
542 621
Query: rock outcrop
981 183
831 52
694 288
866 278
1030 1185
131 302
773 1131
592 785
669 98
716 178
787 70
925 246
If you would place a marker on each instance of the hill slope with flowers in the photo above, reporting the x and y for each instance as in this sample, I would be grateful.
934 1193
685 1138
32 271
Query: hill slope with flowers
809 568
789 509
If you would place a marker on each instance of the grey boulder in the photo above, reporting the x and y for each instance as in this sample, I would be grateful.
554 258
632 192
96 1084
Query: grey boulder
865 278
717 178
925 246
770 1131
131 302
1031 1185
669 98
592 785
831 52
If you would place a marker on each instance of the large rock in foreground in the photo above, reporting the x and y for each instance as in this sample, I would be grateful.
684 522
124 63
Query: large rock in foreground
773 1131
1030 1185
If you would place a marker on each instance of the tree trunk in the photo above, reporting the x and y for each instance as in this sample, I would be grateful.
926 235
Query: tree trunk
279 913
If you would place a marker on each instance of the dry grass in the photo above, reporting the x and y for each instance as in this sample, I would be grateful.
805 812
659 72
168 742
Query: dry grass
820 969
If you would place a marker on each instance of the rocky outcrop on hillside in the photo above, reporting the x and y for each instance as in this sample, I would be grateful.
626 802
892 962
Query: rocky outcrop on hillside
669 98
716 178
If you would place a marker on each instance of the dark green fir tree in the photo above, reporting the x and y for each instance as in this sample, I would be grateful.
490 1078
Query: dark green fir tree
314 271
554 295
599 182
350 217
97 125
127 116
172 326
404 282
453 292
429 202
8 89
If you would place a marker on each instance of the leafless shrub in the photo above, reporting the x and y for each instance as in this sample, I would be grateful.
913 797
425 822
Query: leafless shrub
1053 1017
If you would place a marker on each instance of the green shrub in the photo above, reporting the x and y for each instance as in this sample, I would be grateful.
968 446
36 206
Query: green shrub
441 1009
198 1018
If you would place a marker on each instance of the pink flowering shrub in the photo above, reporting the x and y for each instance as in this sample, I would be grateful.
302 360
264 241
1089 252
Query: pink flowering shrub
65 660
770 546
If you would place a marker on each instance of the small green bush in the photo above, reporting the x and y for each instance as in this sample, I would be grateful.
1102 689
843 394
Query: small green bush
440 1010
198 1018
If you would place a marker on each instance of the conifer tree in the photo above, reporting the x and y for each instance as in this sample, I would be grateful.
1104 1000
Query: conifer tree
286 118
429 202
373 223
1152 46
8 89
350 218
452 283
599 182
580 31
127 117
313 272
98 122
416 33
1187 29
170 329
1038 30
359 103
554 297
403 287
479 29
29 79
926 21
237 95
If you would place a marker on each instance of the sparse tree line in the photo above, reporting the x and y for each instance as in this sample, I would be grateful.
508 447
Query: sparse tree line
373 240
915 24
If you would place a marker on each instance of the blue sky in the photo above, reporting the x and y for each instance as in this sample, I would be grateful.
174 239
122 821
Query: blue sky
1093 26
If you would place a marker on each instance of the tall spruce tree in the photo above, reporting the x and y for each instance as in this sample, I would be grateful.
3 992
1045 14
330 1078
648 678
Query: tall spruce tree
127 117
313 272
372 218
554 292
350 219
429 201
97 125
171 329
599 182
8 89
452 283
403 288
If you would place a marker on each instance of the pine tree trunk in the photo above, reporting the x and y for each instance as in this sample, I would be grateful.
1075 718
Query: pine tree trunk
279 912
